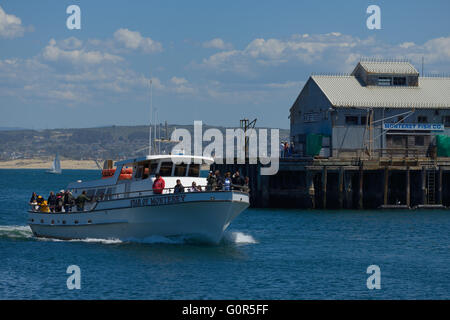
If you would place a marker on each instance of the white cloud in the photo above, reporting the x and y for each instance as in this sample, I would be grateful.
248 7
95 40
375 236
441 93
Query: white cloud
217 43
178 81
335 51
53 52
134 40
10 25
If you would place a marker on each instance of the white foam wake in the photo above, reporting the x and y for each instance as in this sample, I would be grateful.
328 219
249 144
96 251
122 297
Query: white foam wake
229 237
16 232
238 238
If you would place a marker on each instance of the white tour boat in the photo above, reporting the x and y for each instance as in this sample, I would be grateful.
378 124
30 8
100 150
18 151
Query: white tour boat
123 205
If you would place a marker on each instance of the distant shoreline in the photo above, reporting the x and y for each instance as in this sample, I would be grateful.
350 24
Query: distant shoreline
47 163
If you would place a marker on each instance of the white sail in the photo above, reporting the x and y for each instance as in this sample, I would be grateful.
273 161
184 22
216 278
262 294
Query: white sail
56 165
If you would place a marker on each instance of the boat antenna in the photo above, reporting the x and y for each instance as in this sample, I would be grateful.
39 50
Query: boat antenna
151 114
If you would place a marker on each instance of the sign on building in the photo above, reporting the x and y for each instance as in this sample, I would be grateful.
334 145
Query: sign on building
414 126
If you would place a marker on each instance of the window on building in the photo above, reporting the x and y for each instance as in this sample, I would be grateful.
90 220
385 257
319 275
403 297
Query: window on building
422 119
446 120
399 81
420 140
398 141
352 120
363 120
385 81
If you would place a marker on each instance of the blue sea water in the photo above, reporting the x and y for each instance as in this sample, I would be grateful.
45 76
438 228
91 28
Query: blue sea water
265 254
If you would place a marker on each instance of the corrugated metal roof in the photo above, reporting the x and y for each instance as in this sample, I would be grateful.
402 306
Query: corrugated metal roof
346 91
388 67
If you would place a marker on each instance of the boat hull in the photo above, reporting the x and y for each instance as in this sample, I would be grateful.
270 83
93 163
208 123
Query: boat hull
203 215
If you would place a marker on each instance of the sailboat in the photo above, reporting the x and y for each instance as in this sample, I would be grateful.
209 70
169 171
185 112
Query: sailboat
56 166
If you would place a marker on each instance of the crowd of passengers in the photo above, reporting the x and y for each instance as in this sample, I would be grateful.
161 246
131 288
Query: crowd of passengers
63 201
215 182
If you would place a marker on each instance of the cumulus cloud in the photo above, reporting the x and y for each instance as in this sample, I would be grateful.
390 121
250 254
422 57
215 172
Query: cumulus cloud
10 25
134 40
339 52
217 43
56 52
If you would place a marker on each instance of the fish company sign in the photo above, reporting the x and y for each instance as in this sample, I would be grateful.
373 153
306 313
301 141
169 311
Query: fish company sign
414 126
156 201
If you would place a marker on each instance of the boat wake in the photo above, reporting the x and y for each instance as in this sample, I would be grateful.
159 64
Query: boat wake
230 237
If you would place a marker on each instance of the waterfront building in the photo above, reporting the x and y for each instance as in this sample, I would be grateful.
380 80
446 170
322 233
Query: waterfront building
383 108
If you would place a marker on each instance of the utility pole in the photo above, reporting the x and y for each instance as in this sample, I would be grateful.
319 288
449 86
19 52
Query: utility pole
246 124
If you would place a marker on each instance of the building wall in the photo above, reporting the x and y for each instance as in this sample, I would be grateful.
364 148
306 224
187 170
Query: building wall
310 114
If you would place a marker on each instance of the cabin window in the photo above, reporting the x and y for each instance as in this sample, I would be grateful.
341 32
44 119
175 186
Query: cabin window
384 81
422 119
166 169
194 170
139 172
180 170
100 193
109 192
149 169
90 193
353 120
398 141
399 81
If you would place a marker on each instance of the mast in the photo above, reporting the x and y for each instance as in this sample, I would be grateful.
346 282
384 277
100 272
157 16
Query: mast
151 113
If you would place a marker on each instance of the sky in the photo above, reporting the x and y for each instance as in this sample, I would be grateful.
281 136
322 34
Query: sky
215 61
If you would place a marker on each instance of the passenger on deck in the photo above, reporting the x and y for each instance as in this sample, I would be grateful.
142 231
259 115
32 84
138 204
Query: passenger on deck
51 202
246 186
68 201
227 182
81 200
178 187
59 203
237 181
158 185
219 180
33 198
212 182
194 187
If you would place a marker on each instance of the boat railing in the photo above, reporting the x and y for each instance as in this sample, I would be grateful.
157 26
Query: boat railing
91 205
149 192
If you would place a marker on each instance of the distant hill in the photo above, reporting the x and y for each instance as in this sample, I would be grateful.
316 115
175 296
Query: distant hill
10 128
114 142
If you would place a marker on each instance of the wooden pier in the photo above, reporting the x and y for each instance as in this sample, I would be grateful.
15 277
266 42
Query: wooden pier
350 183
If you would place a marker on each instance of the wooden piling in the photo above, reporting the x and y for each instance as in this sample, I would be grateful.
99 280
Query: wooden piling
424 189
440 185
341 187
386 186
361 181
324 187
408 187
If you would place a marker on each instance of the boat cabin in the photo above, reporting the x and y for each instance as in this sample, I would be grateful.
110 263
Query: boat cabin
138 174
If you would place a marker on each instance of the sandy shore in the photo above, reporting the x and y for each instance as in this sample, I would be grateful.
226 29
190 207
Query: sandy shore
47 164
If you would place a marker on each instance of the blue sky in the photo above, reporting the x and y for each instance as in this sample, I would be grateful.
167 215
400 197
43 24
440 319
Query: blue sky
216 61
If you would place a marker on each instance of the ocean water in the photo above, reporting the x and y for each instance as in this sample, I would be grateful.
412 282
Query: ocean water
265 254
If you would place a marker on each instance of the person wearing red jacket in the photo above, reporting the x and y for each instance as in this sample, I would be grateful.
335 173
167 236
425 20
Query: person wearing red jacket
159 184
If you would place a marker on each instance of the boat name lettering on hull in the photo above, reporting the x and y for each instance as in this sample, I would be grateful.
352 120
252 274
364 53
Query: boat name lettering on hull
157 201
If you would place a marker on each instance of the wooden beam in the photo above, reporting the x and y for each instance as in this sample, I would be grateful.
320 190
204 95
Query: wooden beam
324 186
341 188
361 181
408 187
386 186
